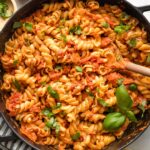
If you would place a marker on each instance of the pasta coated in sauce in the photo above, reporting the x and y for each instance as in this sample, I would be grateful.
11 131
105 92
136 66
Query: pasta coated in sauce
63 66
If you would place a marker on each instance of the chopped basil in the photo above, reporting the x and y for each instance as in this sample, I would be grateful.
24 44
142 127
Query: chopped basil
15 62
17 84
124 15
63 20
51 122
75 30
121 28
28 26
52 92
57 129
133 87
102 102
58 105
47 112
120 81
132 43
105 24
98 90
76 136
142 107
58 67
64 38
17 25
43 83
78 69
89 92
148 59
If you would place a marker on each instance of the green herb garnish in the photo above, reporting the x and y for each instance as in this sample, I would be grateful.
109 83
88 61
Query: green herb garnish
76 136
17 84
121 28
28 26
64 38
120 81
47 112
89 92
52 92
15 62
105 24
131 116
58 105
132 43
148 59
75 30
124 100
142 107
102 102
50 123
58 67
78 69
113 121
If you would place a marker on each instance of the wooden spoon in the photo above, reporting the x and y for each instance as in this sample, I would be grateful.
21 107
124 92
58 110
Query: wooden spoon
137 68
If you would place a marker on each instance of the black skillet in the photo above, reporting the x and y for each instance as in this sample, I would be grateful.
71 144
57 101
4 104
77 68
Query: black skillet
133 131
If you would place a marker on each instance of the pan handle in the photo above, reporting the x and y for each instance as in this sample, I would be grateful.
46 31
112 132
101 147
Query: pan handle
7 138
144 8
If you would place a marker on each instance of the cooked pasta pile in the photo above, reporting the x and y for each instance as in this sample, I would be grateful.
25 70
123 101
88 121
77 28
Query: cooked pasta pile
65 82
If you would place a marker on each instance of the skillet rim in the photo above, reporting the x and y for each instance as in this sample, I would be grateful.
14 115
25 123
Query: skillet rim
4 115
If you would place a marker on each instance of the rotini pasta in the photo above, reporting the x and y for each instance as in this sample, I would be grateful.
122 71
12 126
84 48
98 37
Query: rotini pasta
63 69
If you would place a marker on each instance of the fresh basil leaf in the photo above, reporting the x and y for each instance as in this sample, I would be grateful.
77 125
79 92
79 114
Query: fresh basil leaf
17 84
133 87
120 81
52 92
47 112
58 105
15 62
124 100
131 116
142 107
17 25
76 136
114 121
51 122
132 42
78 69
28 26
105 24
102 102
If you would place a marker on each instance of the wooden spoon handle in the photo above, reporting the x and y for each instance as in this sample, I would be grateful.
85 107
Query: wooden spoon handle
137 68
